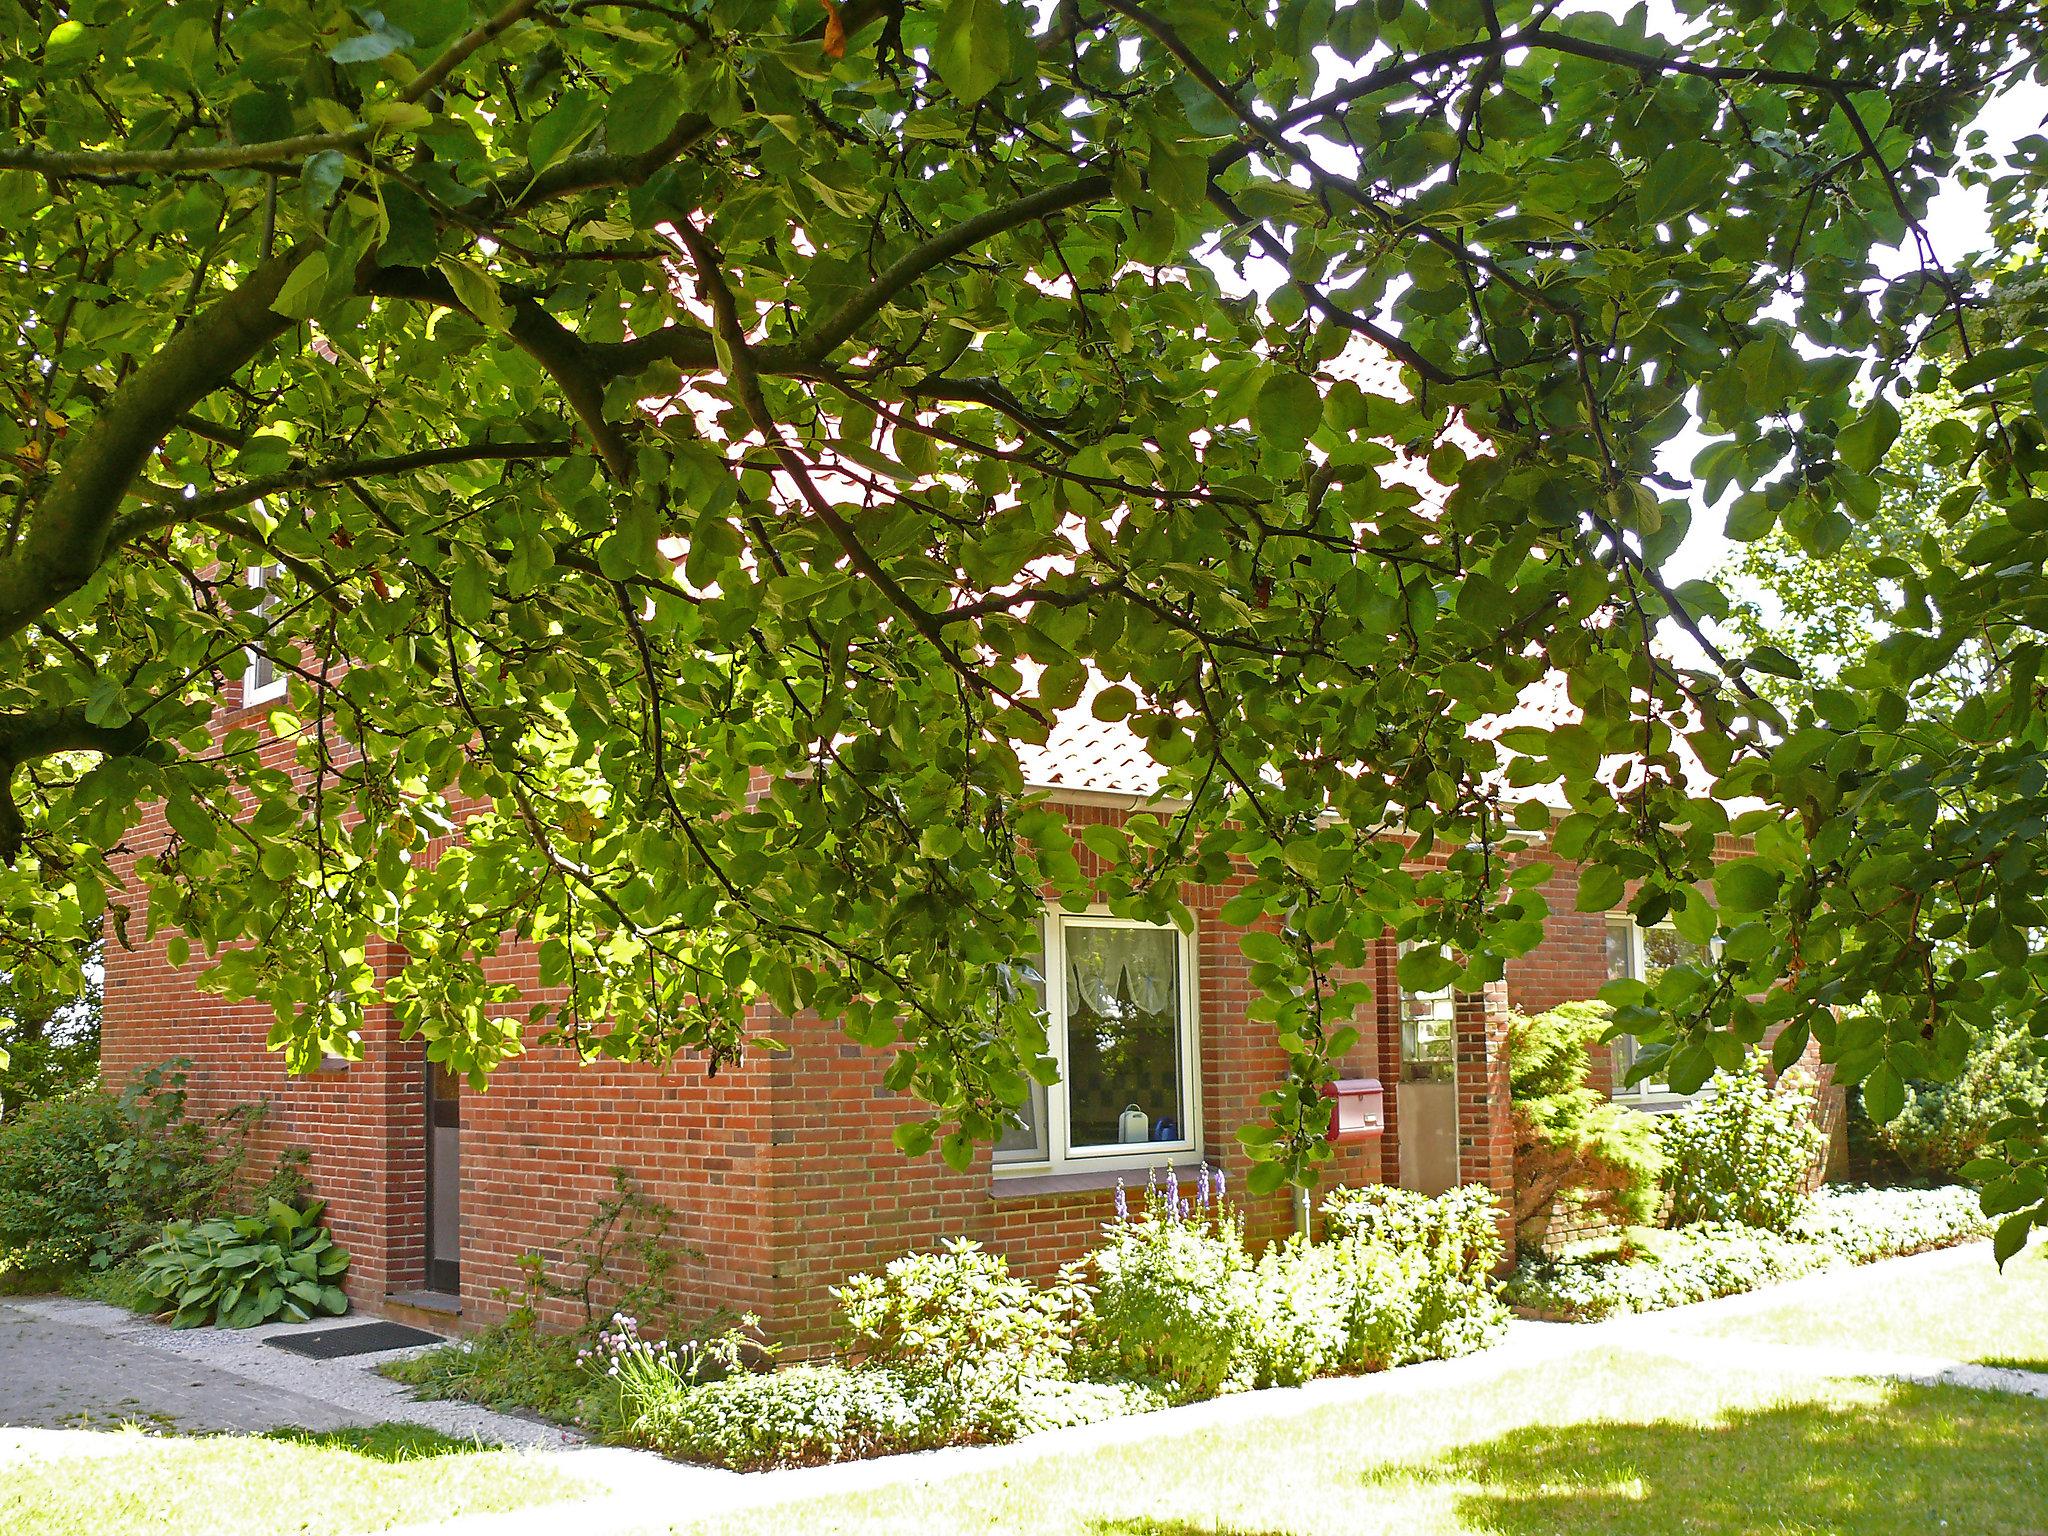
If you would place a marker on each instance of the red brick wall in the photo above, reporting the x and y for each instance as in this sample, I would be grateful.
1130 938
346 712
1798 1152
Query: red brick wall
781 1172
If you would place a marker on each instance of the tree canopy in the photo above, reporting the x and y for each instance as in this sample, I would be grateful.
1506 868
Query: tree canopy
692 441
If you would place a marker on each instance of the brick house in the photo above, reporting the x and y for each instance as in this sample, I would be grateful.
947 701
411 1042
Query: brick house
781 1172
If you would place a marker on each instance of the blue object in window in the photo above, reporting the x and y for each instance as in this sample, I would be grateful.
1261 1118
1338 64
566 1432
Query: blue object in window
1166 1129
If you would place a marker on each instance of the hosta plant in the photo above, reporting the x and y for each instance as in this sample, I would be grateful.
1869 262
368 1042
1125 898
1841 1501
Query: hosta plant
238 1271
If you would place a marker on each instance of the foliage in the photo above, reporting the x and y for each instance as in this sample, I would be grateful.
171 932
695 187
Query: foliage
958 1323
798 1416
1171 1300
49 1041
514 1363
238 1271
963 399
1943 1126
55 1204
1742 1150
1448 1246
1569 1137
1646 1270
626 1251
637 1376
1400 1277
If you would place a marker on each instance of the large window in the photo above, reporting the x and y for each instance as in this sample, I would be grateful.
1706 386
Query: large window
1119 1001
264 679
1642 954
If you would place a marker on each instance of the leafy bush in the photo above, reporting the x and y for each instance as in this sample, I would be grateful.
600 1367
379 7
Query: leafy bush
1401 1277
799 1416
1445 1248
238 1271
1743 1149
956 1312
56 1207
1945 1125
87 1180
1570 1137
1170 1294
1645 1271
1866 1224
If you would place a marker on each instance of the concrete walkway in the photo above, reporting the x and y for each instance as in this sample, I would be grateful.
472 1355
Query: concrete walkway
86 1356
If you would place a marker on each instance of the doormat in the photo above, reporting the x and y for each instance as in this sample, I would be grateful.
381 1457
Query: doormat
352 1339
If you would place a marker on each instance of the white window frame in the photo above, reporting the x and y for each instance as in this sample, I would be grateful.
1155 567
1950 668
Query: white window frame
1060 1156
1650 1091
253 691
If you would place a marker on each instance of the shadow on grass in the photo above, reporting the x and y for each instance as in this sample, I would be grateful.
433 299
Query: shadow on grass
380 1442
2012 1363
1921 1459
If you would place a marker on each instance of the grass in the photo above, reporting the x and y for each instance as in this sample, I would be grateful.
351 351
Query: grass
510 1365
1607 1445
1963 1311
329 1484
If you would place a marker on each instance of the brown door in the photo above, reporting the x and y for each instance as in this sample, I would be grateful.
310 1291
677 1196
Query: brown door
444 1180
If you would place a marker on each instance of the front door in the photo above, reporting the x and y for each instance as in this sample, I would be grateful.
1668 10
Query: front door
444 1180
1426 1098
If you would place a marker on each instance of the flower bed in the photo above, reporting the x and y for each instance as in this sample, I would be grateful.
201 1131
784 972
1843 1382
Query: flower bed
948 1348
1646 1271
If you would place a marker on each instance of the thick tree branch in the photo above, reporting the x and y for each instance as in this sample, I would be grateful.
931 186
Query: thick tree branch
67 535
41 733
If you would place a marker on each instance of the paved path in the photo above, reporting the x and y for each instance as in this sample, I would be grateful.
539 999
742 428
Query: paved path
86 1356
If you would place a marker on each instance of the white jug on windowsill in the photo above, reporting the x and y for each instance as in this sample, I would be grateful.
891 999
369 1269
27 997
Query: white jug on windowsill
1132 1126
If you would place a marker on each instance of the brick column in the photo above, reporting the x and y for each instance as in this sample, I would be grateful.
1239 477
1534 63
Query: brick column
1486 1153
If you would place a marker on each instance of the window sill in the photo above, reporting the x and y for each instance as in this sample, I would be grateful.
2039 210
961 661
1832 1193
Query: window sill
1030 1186
1653 1103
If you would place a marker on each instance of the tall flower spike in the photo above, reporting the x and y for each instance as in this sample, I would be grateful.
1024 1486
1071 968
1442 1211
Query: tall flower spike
1172 1191
1123 1203
1202 1188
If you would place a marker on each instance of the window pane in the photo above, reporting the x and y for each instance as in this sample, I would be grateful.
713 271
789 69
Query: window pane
1429 1025
1620 954
1025 1142
1123 1036
1663 948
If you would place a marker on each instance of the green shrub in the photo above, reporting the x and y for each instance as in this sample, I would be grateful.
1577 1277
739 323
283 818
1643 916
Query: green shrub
1170 1296
1866 1224
1444 1249
799 1416
56 1206
238 1271
956 1313
1742 1150
1644 1271
1945 1125
1569 1137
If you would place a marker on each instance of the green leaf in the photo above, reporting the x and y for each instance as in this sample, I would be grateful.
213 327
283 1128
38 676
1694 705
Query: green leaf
972 53
1884 1094
302 291
1290 408
1601 888
1866 440
639 114
572 120
1746 885
476 291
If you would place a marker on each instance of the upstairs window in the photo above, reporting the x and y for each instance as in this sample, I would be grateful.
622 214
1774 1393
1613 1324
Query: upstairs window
1119 1001
1429 1032
1643 954
262 679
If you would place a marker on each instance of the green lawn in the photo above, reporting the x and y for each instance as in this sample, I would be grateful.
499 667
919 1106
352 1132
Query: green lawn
332 1484
1610 1444
1965 1311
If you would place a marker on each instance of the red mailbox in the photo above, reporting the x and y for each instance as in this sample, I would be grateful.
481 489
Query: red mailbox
1361 1108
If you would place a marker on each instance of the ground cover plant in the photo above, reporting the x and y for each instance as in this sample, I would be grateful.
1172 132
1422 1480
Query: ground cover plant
238 1271
1608 1444
1970 1309
1644 1269
334 1483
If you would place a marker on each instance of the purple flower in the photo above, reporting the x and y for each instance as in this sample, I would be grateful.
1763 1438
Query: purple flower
1172 1191
1202 1187
1219 1183
1186 1210
1123 1203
